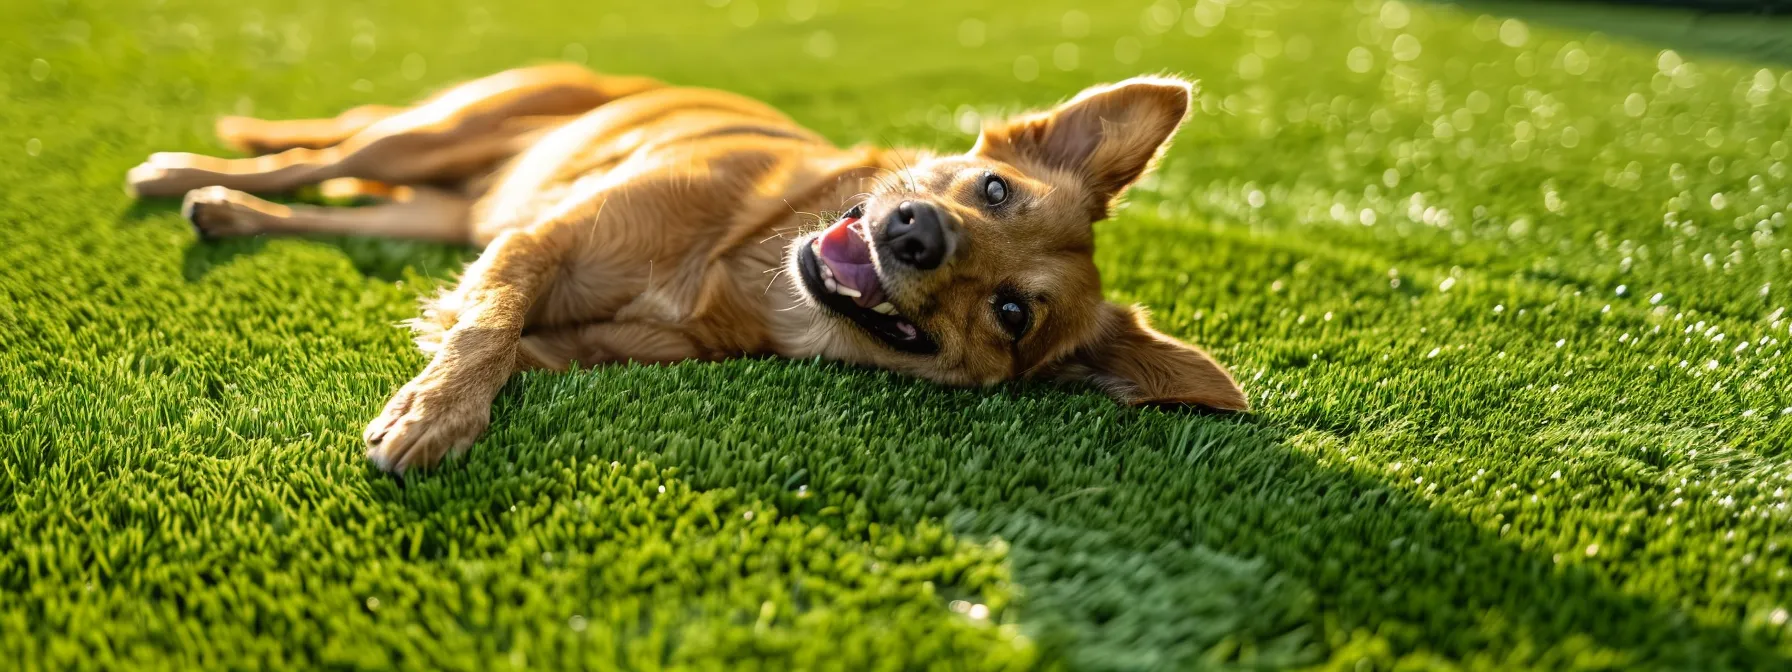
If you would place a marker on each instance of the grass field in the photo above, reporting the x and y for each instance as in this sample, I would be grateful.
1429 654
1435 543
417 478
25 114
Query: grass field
1510 302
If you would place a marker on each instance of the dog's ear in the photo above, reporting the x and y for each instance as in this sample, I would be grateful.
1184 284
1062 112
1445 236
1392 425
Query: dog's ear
1136 364
1107 136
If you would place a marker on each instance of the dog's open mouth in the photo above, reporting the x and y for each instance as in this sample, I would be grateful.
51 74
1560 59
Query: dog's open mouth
838 270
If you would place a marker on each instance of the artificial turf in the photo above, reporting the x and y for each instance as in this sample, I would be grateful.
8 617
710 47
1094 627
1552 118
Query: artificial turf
1510 303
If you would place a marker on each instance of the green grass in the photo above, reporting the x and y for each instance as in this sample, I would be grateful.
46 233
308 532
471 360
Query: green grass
1510 302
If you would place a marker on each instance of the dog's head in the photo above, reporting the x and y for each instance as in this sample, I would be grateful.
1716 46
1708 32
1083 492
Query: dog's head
978 268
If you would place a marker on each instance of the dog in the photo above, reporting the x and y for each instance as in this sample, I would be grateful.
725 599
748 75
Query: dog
623 219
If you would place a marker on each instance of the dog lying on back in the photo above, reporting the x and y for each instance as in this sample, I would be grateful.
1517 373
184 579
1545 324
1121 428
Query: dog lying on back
623 219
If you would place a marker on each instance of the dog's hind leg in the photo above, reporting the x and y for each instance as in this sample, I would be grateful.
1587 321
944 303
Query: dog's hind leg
462 132
262 136
421 213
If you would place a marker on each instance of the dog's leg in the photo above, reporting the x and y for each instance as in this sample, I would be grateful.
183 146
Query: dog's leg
261 136
445 408
412 212
461 132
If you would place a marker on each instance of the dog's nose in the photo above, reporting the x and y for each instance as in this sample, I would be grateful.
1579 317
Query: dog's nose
915 234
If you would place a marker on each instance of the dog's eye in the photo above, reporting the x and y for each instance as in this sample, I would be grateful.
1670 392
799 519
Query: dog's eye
995 190
1014 316
855 212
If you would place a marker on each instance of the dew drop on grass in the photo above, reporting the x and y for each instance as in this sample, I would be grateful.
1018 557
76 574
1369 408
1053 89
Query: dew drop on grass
1065 57
1406 48
414 66
1026 68
972 32
822 45
34 147
743 14
1127 49
1074 24
576 623
40 70
574 53
1514 33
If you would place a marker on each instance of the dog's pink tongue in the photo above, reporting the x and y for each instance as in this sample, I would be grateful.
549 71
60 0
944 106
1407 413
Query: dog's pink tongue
843 243
844 250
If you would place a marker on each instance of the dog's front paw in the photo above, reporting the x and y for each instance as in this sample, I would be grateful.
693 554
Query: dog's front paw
426 421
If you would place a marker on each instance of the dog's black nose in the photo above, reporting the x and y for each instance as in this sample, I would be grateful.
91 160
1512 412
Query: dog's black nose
916 235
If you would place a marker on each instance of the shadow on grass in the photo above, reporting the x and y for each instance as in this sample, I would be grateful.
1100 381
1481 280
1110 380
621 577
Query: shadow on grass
1140 538
1738 36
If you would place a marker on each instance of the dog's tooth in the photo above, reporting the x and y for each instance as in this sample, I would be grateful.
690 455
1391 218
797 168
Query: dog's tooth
885 308
847 292
827 273
831 285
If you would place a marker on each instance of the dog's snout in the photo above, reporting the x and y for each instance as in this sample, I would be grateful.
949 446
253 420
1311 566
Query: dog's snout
915 233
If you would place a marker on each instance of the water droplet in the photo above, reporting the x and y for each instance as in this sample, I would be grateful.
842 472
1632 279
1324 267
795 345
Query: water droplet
1406 48
1446 284
1655 299
1026 68
743 14
1065 56
1513 33
1433 353
1669 62
1250 66
1719 201
1636 105
1127 49
978 611
373 604
821 44
34 147
1076 23
1592 550
362 47
40 70
1359 60
577 623
1575 61
414 66
972 32
1394 15
1205 14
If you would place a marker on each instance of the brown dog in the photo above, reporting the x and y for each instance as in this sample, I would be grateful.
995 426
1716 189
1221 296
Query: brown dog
626 220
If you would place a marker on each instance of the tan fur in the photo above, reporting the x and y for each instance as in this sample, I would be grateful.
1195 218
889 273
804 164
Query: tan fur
626 220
